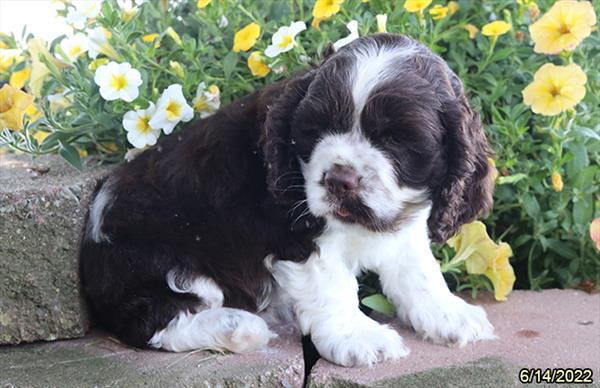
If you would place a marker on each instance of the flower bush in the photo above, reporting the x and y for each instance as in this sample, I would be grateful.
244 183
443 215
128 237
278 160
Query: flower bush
133 72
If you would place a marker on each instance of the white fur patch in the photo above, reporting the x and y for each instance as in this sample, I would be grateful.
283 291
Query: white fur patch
101 203
380 190
220 328
203 287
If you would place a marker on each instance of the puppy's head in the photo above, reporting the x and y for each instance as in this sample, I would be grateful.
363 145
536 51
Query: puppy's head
379 131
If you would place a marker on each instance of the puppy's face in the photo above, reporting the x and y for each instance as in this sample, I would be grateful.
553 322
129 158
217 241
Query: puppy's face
381 130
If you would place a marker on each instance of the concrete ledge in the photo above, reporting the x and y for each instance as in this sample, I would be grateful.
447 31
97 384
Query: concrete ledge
42 205
98 361
549 329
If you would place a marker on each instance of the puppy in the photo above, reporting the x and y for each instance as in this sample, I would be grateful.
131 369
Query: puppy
279 200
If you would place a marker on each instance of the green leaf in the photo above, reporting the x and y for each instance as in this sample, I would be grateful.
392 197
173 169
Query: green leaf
531 205
229 63
562 248
583 210
380 304
70 154
511 178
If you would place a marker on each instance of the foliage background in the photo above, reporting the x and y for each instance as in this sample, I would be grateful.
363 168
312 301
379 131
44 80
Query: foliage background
548 230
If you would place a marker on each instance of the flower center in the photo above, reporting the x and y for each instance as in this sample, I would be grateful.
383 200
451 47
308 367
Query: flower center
555 91
143 125
285 41
75 50
565 29
118 82
173 110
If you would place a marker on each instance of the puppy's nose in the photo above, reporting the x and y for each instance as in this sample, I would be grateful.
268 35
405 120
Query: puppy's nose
341 180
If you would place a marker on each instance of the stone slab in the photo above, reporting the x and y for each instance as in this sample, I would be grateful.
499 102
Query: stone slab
549 329
42 206
99 361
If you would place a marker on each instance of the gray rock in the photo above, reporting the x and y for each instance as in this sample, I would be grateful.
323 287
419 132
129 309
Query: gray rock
42 206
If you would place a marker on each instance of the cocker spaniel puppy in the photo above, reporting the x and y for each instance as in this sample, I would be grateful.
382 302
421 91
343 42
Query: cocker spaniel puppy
279 200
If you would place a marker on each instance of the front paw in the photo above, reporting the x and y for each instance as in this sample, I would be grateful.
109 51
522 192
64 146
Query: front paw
453 323
364 344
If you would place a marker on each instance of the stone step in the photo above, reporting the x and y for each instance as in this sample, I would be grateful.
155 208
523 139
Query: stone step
42 205
549 329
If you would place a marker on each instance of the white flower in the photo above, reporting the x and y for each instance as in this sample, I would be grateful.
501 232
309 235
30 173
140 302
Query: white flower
97 41
74 46
352 26
139 131
118 81
283 40
171 108
381 22
84 10
206 101
223 22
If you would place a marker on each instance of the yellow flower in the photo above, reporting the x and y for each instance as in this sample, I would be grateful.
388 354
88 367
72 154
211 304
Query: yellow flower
483 256
39 71
497 28
416 5
555 89
174 35
13 104
563 27
438 12
246 37
257 65
96 63
203 3
324 9
316 22
557 182
33 113
595 232
453 7
9 57
176 66
149 38
18 78
381 23
128 14
472 30
492 163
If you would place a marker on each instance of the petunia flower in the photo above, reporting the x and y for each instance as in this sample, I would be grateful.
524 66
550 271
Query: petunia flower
60 100
207 101
557 182
381 22
284 39
595 232
9 57
129 10
555 89
171 108
74 46
39 71
174 35
416 5
13 104
438 12
496 28
471 29
118 81
257 65
85 10
177 68
324 9
149 38
352 26
563 27
453 7
139 132
246 38
203 3
483 256
18 78
98 44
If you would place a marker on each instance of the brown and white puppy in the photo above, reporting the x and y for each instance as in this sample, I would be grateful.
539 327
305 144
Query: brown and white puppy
279 200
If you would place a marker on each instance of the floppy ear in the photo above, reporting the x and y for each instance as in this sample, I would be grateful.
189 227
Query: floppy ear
283 169
466 192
